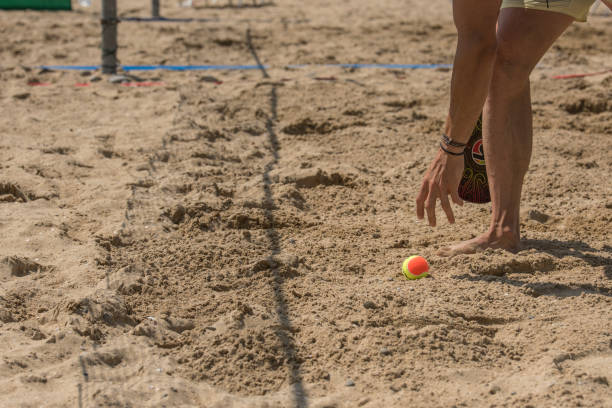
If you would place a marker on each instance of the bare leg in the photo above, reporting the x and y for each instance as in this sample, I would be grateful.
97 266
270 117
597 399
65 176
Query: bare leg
523 37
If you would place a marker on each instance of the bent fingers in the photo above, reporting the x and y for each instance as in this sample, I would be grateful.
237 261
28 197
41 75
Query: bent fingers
447 208
420 201
430 205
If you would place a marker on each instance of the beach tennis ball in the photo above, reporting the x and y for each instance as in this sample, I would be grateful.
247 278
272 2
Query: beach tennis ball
415 267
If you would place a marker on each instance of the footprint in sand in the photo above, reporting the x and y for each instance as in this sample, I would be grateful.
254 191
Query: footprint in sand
20 266
10 192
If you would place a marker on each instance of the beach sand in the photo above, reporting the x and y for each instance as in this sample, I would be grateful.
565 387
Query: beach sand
234 238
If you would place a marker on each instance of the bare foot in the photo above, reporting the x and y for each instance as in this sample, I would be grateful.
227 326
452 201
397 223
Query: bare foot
478 244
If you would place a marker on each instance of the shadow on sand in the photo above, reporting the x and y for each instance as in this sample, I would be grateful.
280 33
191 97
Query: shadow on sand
284 328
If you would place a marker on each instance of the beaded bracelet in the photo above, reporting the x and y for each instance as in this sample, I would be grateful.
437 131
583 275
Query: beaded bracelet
450 142
445 150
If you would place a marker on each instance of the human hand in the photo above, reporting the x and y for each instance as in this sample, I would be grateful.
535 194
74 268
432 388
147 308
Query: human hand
441 180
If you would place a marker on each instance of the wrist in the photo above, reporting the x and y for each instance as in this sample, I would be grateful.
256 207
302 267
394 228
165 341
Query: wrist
451 147
450 150
452 143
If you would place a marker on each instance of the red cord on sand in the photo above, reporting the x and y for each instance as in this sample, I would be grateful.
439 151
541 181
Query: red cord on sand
581 75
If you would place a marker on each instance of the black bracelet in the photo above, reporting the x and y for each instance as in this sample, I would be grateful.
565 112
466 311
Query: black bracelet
448 151
449 142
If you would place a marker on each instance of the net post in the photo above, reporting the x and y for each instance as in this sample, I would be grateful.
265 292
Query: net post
109 36
155 8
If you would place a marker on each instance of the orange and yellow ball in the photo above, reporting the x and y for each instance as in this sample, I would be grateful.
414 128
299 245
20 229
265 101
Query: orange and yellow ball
415 267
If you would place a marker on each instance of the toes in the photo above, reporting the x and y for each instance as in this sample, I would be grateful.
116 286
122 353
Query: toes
445 252
463 248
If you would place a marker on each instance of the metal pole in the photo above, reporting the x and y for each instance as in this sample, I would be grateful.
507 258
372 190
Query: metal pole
109 36
155 8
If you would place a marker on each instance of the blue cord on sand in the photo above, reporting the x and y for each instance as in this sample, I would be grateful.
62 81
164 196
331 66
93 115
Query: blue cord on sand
238 67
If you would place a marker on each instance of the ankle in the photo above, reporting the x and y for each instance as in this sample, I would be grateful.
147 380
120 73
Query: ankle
504 234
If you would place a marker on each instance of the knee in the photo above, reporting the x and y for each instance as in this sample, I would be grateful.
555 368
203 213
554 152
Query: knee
481 43
510 62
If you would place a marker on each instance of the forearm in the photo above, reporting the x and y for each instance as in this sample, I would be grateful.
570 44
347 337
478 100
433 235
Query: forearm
473 65
472 70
